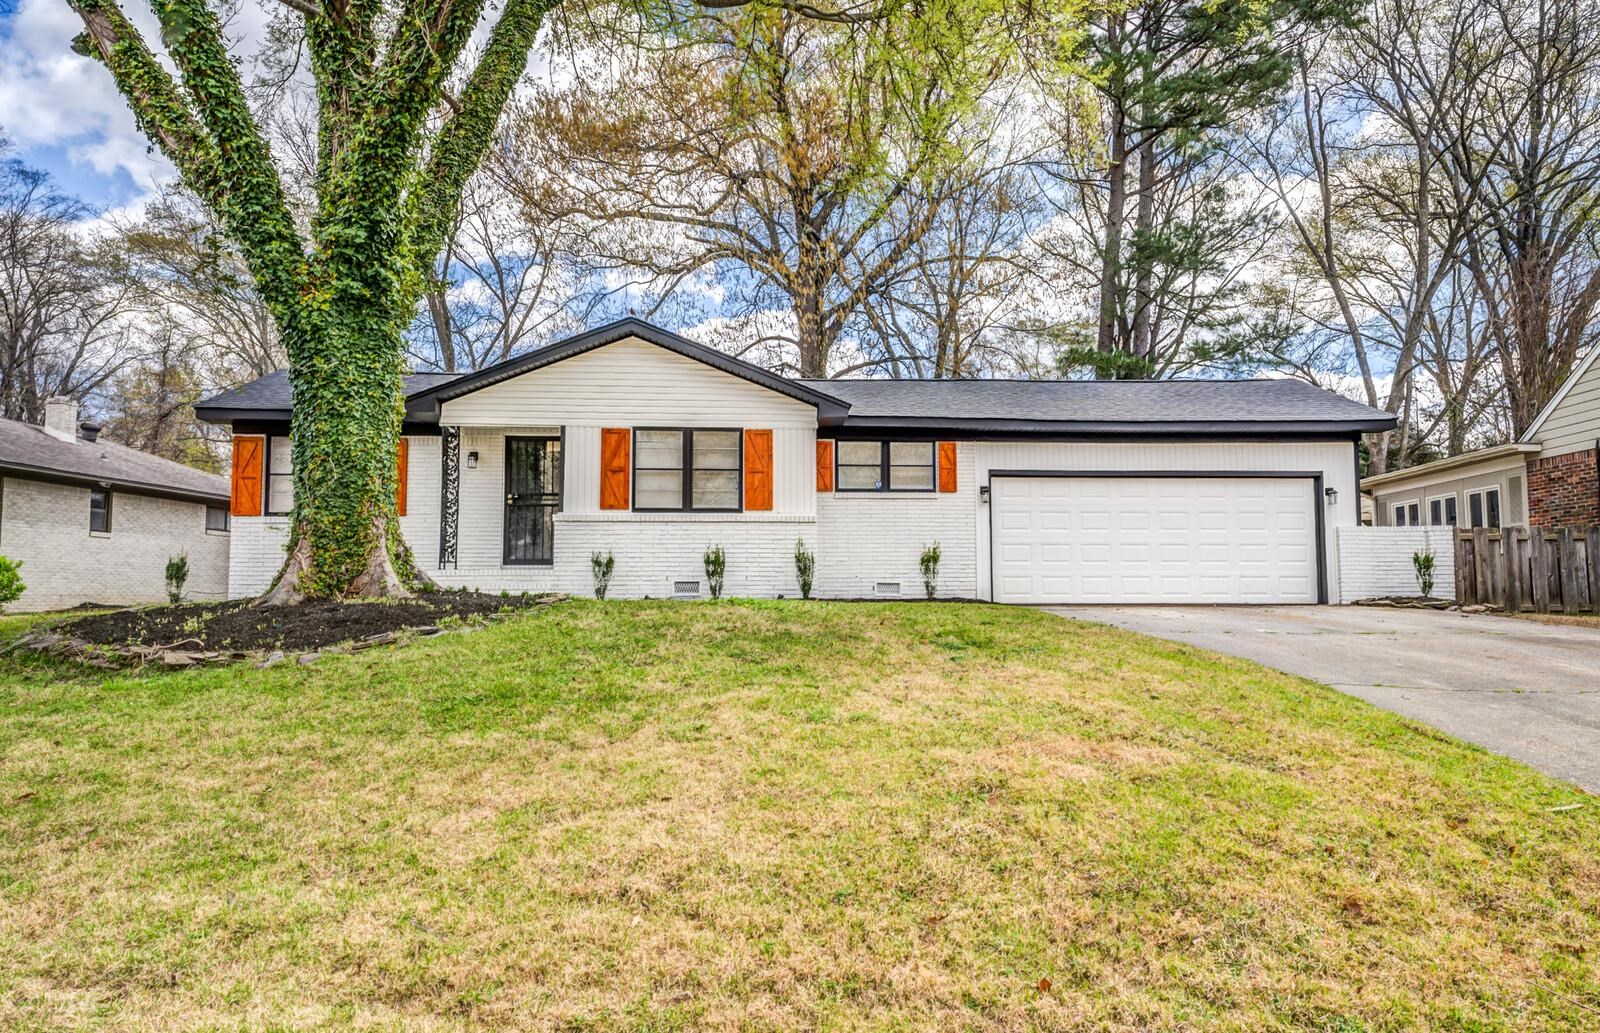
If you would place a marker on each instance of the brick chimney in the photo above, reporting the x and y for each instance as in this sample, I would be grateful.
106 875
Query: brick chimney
61 418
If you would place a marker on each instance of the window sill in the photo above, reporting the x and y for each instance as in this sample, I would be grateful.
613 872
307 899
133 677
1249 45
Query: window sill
99 534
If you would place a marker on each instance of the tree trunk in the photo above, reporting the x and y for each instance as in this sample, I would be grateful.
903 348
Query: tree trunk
439 312
1144 270
345 429
1111 246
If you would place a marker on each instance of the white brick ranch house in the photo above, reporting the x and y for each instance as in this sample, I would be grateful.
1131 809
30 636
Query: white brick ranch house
633 440
95 521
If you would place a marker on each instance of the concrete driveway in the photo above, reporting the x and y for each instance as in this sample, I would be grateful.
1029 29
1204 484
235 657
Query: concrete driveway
1523 689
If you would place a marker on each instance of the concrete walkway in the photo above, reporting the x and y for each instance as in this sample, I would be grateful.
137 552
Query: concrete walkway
1523 689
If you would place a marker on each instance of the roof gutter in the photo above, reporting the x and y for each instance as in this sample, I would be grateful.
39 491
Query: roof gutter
1515 448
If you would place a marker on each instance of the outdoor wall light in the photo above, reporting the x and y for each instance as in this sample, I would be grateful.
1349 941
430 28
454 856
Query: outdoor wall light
472 460
1332 495
983 494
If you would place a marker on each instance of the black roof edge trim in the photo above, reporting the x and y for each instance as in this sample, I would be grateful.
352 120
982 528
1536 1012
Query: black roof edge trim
1104 428
37 473
830 410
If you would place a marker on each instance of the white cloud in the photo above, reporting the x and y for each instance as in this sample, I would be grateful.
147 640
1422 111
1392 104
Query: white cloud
52 97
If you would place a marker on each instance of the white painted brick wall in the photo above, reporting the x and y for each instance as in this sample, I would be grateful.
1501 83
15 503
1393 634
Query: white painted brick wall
46 527
868 537
258 546
1376 561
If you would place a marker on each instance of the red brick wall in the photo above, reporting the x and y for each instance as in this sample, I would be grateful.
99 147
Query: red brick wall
1563 491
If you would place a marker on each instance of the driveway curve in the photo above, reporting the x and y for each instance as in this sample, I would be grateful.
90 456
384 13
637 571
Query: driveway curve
1520 688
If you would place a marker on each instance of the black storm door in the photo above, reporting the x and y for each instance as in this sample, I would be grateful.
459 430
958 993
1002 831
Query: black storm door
533 497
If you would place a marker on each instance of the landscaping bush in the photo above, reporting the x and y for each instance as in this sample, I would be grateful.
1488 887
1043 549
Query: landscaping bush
805 567
1422 564
930 569
716 566
11 586
177 574
602 568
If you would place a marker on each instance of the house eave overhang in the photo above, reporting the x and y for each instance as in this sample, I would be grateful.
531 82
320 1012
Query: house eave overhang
1460 462
123 484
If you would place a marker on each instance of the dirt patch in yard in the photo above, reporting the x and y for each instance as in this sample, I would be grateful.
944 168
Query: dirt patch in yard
236 627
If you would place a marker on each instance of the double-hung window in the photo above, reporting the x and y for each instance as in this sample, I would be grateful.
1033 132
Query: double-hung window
886 466
100 510
1483 507
1407 514
1442 511
280 476
694 470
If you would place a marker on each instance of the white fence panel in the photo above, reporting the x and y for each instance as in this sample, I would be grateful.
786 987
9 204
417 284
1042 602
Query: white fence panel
1376 561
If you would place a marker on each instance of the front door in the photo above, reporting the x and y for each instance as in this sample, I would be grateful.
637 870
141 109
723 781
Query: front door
533 497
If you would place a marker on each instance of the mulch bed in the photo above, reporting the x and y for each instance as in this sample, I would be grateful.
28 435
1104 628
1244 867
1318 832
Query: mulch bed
218 632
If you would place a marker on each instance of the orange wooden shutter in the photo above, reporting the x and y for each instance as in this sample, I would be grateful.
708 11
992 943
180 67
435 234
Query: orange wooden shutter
400 478
615 445
824 466
758 469
947 466
245 497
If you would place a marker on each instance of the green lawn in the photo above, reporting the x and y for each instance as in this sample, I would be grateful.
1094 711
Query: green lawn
774 816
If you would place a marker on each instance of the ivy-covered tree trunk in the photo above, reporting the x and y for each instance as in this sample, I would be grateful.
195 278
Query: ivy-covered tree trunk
395 150
346 431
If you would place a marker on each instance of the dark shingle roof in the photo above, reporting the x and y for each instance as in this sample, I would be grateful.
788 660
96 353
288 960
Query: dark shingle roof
271 393
1213 407
1135 402
26 450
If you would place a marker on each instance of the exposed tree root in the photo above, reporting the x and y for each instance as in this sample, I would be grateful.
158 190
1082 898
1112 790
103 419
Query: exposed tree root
379 580
285 590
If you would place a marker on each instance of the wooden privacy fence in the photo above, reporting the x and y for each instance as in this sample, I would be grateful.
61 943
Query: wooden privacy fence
1550 570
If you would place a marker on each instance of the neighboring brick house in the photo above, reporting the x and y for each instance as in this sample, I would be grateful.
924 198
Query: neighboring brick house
1550 477
94 521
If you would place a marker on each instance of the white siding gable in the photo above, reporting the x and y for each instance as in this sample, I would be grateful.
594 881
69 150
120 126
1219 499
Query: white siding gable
1572 424
629 383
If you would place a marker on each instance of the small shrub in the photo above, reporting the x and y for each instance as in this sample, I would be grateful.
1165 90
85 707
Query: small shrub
602 567
930 569
1422 563
805 567
11 586
177 574
716 566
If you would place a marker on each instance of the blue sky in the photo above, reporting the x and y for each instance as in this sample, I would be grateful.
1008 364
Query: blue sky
63 114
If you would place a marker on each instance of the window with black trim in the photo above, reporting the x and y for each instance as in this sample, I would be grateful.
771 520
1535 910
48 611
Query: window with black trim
688 470
280 476
1483 507
885 466
100 510
217 518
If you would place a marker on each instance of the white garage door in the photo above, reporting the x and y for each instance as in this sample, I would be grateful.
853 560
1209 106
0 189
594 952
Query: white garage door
1153 540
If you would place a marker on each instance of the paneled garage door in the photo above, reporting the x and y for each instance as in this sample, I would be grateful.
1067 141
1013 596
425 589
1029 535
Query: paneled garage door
1180 539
